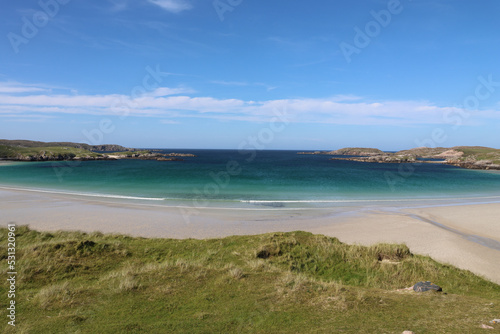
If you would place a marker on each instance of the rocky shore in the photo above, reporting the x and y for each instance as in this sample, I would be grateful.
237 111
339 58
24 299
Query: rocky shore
361 151
24 150
47 156
382 159
470 157
148 155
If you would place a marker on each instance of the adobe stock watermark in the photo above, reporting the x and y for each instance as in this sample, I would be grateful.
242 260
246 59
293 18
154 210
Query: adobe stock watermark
484 90
122 107
372 29
249 149
32 25
223 6
11 274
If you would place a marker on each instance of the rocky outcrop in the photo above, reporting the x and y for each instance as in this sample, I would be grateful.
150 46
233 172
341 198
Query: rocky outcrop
43 156
148 155
471 164
25 150
109 148
360 151
383 158
312 153
471 157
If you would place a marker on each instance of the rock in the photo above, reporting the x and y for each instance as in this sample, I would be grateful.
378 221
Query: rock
169 159
426 286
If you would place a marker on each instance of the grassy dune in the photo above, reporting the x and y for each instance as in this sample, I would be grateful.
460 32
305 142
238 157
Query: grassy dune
295 282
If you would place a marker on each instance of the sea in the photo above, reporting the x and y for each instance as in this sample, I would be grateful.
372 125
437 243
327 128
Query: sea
267 179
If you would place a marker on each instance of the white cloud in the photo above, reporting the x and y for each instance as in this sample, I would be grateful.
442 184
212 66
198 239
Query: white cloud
173 6
165 91
170 104
15 87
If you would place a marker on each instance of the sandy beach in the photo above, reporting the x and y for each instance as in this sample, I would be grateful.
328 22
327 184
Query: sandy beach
465 235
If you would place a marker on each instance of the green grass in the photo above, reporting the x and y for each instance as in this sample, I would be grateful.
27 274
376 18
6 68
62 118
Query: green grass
480 153
71 282
131 153
13 152
357 150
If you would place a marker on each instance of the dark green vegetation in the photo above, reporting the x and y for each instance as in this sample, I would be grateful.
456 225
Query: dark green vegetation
71 282
25 150
31 143
45 153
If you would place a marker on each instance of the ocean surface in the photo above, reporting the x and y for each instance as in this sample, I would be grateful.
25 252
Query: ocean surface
274 179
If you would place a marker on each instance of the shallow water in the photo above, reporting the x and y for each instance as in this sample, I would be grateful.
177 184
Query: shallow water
271 179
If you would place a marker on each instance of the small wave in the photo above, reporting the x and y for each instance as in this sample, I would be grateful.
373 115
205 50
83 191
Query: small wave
87 194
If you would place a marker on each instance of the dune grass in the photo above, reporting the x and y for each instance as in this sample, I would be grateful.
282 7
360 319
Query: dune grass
72 282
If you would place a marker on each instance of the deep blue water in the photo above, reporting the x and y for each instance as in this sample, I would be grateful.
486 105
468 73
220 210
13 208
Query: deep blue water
226 176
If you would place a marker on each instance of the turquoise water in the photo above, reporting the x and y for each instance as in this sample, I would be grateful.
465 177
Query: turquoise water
278 178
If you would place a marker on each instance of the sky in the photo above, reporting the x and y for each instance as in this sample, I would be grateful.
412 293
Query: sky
240 74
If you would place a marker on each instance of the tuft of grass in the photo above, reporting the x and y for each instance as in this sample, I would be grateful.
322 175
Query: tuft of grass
56 295
236 273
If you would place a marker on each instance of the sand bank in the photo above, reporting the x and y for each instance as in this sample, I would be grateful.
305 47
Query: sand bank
466 236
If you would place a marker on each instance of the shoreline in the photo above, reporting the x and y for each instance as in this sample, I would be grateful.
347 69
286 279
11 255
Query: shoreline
444 232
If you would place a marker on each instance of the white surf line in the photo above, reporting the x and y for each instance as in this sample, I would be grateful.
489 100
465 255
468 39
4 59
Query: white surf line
153 199
84 194
253 201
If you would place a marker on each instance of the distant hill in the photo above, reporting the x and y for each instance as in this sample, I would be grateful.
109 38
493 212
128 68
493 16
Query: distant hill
27 150
472 157
30 143
356 151
361 151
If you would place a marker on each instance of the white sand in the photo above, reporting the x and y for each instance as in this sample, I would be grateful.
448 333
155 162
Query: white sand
50 212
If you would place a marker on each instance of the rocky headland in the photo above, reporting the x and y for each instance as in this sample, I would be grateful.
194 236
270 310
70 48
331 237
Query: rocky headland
471 157
360 151
25 150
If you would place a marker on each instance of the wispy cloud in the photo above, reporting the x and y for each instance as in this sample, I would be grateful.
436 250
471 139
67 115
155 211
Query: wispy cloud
168 121
11 87
169 104
243 84
166 91
173 6
118 5
230 83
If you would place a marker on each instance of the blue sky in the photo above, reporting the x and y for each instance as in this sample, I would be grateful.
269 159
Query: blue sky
251 74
